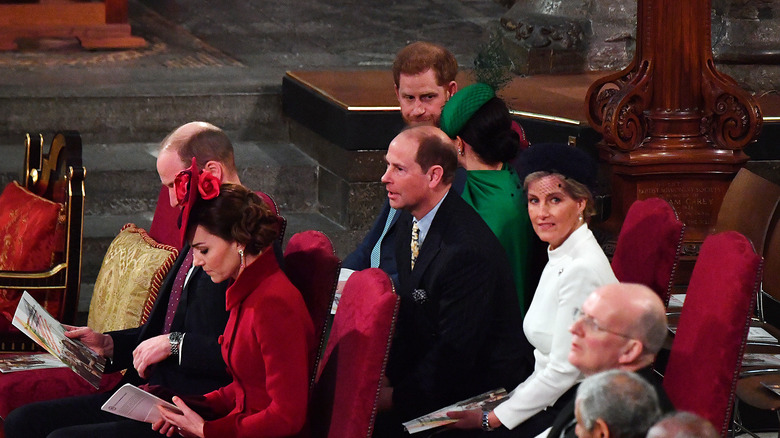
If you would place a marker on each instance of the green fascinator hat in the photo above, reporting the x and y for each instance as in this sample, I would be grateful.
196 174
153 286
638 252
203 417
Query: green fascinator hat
462 105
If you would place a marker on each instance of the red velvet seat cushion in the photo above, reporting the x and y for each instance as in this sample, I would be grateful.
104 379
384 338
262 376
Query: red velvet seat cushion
706 355
22 387
30 237
345 394
648 246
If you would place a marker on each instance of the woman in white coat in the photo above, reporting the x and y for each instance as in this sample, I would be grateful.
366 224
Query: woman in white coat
560 204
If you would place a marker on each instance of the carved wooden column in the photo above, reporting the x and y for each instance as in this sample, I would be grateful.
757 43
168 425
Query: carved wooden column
673 126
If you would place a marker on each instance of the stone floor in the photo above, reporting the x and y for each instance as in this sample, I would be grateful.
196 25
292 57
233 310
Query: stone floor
198 45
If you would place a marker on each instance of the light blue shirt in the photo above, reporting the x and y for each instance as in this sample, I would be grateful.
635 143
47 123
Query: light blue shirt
424 224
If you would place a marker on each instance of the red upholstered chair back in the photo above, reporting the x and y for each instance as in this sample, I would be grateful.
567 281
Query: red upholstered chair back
706 355
312 266
275 208
344 399
649 245
164 228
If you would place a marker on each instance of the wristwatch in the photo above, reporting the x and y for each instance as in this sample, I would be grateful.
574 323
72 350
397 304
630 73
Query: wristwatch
486 421
175 339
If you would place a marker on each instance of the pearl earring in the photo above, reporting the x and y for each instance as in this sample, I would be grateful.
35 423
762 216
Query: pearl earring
241 254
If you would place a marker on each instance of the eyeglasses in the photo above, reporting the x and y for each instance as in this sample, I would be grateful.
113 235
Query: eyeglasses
590 323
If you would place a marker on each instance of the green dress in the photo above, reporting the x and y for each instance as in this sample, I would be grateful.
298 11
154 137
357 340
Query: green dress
497 195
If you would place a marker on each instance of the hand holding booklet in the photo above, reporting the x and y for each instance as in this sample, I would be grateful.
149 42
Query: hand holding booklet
35 322
135 403
488 400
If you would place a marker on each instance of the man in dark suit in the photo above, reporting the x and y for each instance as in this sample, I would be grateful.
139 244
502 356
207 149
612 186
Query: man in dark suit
424 76
620 326
459 329
177 348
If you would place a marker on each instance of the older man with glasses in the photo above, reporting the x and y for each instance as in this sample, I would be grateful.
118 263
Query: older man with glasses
620 326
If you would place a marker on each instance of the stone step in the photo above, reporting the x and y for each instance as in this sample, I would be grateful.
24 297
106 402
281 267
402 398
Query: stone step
116 116
122 178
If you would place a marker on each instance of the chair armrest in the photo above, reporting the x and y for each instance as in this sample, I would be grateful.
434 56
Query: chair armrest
54 278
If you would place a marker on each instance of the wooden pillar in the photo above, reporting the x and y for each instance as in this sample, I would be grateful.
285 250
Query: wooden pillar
673 126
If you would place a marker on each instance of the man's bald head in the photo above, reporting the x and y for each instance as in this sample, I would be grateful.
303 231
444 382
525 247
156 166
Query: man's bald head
639 310
622 326
434 148
203 141
682 425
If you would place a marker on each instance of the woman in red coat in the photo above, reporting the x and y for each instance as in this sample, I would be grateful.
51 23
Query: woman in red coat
269 335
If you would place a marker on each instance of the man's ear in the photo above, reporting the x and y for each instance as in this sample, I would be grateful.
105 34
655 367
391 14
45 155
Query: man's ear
435 175
600 429
631 352
397 92
452 88
215 168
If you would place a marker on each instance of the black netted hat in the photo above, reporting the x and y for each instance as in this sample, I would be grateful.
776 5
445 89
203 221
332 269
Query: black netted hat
569 161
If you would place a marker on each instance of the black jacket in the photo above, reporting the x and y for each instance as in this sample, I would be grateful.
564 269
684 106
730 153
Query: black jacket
201 316
459 330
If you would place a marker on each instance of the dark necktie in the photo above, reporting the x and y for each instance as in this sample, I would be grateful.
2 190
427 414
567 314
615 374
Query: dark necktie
178 287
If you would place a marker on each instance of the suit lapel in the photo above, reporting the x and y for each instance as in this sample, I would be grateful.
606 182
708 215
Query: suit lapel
432 243
403 252
427 254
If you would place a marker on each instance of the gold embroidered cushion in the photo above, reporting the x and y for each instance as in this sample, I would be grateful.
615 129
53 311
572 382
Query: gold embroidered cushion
129 279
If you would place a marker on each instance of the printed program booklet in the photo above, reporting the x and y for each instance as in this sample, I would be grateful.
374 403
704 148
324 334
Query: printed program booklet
488 400
135 403
35 322
761 360
10 363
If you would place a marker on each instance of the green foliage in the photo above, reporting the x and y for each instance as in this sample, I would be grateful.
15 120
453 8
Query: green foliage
492 65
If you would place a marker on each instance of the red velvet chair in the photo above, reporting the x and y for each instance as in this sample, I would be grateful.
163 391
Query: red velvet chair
164 228
312 266
649 245
344 399
706 356
275 208
41 224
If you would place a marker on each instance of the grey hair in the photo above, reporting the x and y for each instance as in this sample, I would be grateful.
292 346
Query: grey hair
622 399
571 187
651 329
682 425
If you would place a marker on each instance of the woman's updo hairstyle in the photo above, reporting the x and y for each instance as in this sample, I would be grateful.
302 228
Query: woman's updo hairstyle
236 215
482 120
489 133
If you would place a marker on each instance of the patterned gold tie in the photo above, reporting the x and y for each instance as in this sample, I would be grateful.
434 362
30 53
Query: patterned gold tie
415 242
